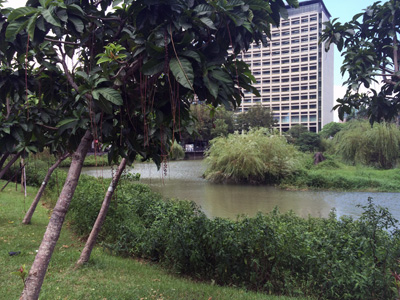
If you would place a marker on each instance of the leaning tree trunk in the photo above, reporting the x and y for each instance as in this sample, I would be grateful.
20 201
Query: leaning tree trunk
87 250
38 270
29 213
3 159
10 163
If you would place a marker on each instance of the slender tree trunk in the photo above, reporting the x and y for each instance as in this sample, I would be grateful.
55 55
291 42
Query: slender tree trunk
3 159
29 214
38 270
87 250
10 163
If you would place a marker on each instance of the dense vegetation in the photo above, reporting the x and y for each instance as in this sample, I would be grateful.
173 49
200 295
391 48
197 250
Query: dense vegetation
275 253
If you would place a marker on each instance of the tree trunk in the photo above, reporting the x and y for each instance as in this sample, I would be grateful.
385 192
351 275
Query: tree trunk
3 159
10 163
38 270
29 214
87 250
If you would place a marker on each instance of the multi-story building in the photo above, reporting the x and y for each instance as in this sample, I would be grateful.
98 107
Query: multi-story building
294 73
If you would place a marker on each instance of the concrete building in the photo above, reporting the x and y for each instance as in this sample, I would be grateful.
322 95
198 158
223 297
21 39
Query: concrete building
294 74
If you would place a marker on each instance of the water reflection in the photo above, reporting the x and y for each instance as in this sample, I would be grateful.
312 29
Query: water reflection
184 180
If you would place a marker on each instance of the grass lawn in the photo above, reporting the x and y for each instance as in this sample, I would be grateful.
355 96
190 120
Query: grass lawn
104 277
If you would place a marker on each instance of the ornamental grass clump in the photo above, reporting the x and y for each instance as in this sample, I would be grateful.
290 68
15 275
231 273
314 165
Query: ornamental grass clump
253 157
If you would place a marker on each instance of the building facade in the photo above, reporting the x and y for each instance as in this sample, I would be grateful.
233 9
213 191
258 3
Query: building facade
294 73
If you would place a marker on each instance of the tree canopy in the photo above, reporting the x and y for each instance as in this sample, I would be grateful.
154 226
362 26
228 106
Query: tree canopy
370 46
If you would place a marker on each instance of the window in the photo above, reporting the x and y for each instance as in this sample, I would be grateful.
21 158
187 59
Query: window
285 89
313 28
285 108
295 88
304 77
295 41
275 99
295 22
285 33
285 24
266 63
285 42
285 71
294 79
266 81
286 51
313 118
256 54
285 79
304 106
314 18
304 88
286 98
313 48
276 71
295 107
295 98
313 87
305 58
305 29
295 50
295 119
295 59
275 62
304 97
276 90
304 39
256 64
266 90
275 34
313 67
266 72
304 68
295 69
276 44
313 77
275 80
304 118
266 54
304 20
313 38
296 31
274 53
304 49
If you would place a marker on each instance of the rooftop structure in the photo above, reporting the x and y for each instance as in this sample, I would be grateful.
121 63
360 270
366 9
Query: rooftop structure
294 74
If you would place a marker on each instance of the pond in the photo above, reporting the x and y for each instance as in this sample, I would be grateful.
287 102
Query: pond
183 180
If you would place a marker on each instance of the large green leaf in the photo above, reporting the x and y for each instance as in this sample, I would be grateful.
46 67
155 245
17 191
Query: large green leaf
32 25
21 12
183 71
153 66
49 17
208 22
109 94
14 28
78 24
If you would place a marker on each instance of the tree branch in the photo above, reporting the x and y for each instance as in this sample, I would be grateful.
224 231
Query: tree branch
61 42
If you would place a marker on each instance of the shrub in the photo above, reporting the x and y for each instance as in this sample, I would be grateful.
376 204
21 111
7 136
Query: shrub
255 157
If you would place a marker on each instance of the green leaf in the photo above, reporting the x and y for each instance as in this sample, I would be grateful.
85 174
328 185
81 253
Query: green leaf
49 17
14 28
153 66
182 71
21 12
65 121
192 54
32 25
211 86
109 94
78 24
208 22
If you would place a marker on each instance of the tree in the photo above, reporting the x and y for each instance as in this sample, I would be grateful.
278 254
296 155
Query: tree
256 117
330 129
136 66
370 46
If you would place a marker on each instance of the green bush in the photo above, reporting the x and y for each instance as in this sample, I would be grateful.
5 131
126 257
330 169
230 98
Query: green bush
176 152
254 157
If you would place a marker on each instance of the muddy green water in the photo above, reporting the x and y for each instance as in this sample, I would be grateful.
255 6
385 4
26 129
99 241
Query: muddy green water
183 180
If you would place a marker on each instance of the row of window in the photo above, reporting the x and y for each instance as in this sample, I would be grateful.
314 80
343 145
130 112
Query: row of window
277 98
295 119
286 79
297 21
279 52
294 31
